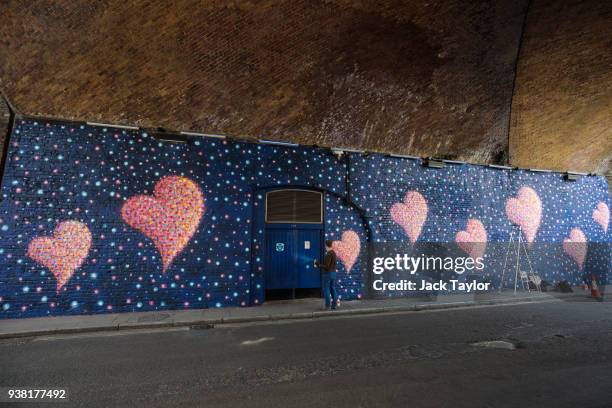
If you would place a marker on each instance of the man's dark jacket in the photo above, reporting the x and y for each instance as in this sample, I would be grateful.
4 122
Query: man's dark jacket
329 262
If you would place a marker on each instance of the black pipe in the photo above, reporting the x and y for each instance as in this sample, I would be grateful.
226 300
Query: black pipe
7 141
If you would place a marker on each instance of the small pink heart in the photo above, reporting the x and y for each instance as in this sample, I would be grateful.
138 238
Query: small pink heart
348 249
64 252
473 240
411 214
525 211
576 246
601 215
169 218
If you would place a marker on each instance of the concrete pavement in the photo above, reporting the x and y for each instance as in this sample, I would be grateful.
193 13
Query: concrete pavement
273 310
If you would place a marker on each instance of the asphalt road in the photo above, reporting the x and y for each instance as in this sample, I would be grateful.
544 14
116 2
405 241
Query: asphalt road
421 359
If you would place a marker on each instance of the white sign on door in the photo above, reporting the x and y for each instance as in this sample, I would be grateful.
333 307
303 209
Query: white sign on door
306 244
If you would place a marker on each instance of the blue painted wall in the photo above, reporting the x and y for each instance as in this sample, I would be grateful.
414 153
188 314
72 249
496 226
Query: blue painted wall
62 171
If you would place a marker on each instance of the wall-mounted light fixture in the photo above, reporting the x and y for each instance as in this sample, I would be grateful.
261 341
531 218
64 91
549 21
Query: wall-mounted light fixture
540 171
278 143
107 125
347 150
338 153
163 136
203 135
497 166
569 176
434 163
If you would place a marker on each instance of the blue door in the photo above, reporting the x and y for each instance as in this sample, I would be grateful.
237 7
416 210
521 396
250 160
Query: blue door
308 249
290 255
280 259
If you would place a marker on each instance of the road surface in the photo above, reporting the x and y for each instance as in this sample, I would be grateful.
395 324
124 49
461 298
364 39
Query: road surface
562 358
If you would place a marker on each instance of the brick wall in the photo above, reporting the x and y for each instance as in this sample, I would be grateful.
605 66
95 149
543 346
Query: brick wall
561 106
431 78
96 220
428 78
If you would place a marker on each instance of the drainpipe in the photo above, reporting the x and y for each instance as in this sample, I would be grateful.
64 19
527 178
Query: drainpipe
366 227
509 158
8 114
347 178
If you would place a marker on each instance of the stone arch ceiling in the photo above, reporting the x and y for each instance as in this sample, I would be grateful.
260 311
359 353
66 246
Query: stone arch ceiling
431 78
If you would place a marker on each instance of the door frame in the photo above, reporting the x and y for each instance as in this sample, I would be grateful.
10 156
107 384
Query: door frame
258 225
277 225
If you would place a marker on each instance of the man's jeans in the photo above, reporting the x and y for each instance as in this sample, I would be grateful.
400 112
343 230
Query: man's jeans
328 280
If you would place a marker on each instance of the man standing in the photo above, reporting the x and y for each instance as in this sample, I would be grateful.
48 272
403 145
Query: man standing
328 276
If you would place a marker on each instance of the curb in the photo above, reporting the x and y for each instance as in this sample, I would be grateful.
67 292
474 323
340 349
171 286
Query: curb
210 323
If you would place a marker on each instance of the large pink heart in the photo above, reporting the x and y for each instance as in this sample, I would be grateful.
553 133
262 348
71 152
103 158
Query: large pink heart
576 246
474 239
601 215
525 211
63 252
169 218
411 214
348 249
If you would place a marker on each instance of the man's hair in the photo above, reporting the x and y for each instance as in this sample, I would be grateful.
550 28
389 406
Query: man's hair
329 243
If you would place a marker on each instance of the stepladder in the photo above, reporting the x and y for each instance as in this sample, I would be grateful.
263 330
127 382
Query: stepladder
518 247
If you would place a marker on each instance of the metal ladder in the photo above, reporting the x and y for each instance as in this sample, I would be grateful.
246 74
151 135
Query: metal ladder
525 277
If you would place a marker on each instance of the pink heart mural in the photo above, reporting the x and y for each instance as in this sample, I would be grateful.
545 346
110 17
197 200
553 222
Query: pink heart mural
576 246
348 249
411 214
525 211
169 218
64 252
601 215
473 240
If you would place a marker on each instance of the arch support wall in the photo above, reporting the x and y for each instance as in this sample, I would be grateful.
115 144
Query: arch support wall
562 103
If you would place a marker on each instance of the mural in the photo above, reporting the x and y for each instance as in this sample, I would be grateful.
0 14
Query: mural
473 240
525 210
346 228
576 246
601 215
64 252
411 214
98 220
347 249
169 217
